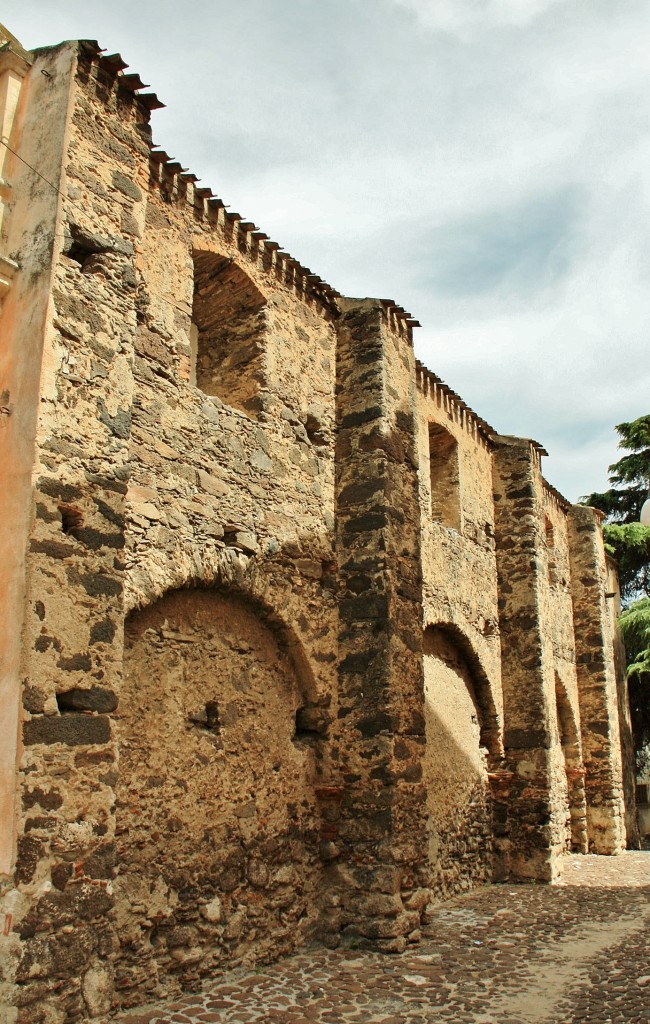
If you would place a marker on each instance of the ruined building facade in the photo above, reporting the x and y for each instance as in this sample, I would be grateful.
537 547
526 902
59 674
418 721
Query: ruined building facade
293 642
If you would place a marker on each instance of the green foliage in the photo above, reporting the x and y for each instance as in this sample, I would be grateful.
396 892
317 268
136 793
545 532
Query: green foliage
619 506
628 477
633 469
625 538
629 544
635 628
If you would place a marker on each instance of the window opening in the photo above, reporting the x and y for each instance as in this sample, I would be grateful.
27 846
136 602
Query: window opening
550 550
444 477
228 332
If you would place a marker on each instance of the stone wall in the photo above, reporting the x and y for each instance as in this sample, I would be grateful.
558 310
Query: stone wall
597 684
464 704
563 698
381 711
459 563
217 825
456 768
291 633
71 658
628 760
536 633
29 228
143 484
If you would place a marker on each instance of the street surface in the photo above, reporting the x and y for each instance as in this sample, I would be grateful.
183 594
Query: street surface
573 953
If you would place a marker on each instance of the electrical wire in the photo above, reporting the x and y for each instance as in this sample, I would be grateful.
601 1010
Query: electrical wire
71 202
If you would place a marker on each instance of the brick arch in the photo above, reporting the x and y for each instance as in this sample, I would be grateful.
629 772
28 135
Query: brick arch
217 818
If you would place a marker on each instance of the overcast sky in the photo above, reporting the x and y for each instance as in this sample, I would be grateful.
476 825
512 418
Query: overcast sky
483 162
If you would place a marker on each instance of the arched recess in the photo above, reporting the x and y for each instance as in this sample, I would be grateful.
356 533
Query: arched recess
217 818
160 571
444 476
462 735
486 710
569 734
228 334
551 553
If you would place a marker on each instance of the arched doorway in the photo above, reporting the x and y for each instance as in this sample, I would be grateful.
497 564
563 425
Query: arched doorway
217 821
569 736
461 733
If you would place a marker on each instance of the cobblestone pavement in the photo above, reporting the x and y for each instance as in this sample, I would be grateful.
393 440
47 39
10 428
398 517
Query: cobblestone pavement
573 953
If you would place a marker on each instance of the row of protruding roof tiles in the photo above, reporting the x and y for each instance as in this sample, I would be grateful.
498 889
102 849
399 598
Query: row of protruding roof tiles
396 317
556 496
115 66
430 384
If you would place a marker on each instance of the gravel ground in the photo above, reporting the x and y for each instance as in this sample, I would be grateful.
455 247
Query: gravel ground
577 952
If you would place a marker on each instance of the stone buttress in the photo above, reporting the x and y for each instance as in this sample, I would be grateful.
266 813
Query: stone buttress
71 479
528 813
381 829
210 466
597 684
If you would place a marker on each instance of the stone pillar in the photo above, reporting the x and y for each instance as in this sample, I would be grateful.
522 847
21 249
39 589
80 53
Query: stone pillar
613 596
71 329
601 743
529 814
381 838
36 127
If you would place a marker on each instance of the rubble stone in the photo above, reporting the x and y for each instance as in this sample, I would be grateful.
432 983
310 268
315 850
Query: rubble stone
296 645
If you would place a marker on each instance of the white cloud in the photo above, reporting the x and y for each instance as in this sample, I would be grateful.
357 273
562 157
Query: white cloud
459 16
483 163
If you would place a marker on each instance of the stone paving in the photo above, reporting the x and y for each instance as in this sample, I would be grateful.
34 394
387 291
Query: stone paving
577 952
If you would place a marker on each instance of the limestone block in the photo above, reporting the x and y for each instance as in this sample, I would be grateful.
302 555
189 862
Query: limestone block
97 988
213 910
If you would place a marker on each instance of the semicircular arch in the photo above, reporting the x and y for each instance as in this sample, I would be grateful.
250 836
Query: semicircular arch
217 792
486 709
567 721
227 574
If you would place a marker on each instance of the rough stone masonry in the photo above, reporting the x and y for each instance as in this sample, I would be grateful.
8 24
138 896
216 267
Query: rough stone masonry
293 643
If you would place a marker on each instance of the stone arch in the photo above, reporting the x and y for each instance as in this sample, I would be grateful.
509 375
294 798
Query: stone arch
486 709
217 817
551 553
225 570
444 476
462 732
571 748
228 333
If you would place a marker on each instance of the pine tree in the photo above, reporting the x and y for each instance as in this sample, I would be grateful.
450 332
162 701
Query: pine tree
629 542
635 628
625 538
